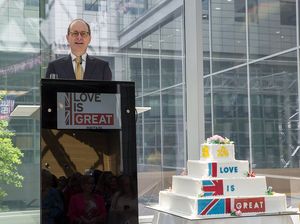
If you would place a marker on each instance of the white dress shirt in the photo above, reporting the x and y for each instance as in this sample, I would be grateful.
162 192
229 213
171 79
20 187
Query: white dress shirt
83 64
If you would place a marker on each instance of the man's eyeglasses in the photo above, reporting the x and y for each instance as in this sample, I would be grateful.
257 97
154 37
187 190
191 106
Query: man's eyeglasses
83 34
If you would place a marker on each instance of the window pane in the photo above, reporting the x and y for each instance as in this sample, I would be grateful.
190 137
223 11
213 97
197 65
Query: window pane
274 105
91 5
34 33
152 136
205 37
173 128
231 109
228 35
287 12
207 107
150 74
151 44
171 37
19 77
276 30
171 72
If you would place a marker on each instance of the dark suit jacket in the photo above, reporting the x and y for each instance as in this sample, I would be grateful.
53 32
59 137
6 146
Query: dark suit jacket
95 69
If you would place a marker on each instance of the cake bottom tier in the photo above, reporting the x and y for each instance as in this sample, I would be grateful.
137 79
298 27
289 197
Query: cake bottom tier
206 206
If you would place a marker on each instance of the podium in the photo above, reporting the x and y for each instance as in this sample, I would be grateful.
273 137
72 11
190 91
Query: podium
88 128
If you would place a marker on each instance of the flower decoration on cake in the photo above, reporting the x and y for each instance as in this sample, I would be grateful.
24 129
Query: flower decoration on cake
270 191
201 195
205 151
217 139
222 152
250 174
236 213
184 172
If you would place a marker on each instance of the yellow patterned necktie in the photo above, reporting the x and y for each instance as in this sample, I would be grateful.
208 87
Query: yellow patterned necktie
78 69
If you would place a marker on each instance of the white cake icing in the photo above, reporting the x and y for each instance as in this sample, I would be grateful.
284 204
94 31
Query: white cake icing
217 152
217 184
194 187
204 169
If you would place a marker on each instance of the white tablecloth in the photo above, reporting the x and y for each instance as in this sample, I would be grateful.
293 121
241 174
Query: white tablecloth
164 218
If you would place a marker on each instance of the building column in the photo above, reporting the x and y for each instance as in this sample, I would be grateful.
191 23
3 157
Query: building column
194 77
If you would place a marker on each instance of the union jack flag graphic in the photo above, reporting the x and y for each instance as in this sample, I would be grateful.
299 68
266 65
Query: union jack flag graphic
7 105
212 169
68 109
212 187
214 206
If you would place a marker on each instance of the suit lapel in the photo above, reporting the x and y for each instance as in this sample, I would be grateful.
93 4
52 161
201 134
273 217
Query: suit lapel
89 68
68 67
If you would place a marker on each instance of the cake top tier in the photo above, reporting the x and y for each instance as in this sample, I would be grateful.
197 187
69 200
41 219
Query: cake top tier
217 139
217 148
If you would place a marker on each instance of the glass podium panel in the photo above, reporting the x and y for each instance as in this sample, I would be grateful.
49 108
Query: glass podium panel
88 152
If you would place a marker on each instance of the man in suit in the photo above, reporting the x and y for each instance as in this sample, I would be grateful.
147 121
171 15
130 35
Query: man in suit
78 64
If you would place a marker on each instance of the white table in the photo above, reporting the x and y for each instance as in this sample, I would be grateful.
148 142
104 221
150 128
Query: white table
161 217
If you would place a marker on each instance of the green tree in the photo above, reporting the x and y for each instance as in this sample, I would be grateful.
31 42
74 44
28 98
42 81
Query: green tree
10 158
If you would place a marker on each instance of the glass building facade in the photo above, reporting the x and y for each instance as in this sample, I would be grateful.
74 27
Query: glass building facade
250 73
251 84
251 78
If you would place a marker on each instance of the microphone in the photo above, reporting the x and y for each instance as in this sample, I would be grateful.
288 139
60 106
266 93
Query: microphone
80 60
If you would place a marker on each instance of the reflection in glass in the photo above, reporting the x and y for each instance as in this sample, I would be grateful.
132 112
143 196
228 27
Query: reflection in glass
151 44
151 81
96 162
275 29
171 72
135 66
207 107
171 51
79 151
152 130
90 164
274 106
205 37
173 128
228 34
136 73
171 37
34 33
231 108
130 10
19 78
139 132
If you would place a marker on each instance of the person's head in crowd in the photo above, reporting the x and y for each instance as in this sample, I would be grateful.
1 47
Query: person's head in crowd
97 174
74 182
62 182
47 179
126 185
111 183
99 188
78 36
88 172
87 184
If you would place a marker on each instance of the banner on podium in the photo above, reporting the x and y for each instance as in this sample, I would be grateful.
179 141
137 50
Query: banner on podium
88 110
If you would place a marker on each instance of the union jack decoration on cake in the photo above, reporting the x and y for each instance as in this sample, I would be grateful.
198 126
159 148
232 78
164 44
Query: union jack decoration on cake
214 206
212 169
212 187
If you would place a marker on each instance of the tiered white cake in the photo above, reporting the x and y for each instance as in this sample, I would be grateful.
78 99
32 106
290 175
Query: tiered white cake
219 185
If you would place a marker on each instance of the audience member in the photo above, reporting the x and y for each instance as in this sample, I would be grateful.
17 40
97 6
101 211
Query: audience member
87 207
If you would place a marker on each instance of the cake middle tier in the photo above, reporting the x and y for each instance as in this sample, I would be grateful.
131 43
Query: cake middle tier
224 169
196 187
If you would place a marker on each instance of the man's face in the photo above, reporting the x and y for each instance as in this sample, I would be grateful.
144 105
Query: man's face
78 38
